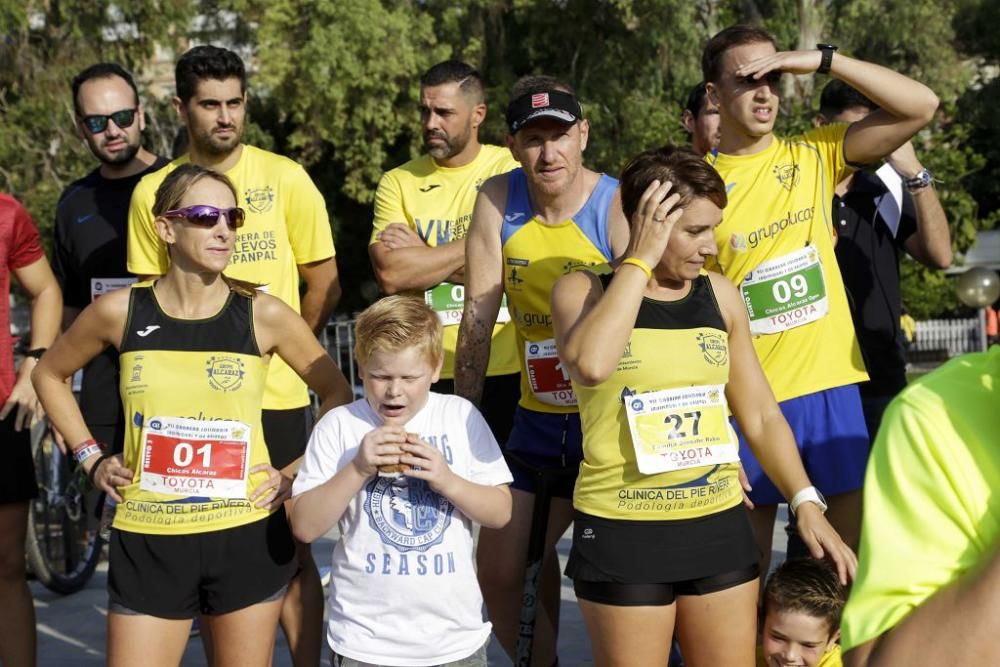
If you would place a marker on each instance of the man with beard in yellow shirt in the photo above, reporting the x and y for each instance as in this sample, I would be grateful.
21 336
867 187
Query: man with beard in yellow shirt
422 213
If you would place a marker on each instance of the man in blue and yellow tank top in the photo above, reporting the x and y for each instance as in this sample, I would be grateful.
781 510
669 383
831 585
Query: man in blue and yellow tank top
422 213
529 228
775 244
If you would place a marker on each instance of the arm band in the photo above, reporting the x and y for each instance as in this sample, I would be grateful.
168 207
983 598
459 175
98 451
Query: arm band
635 261
86 449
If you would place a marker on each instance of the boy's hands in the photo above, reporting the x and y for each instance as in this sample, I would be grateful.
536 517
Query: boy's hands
427 463
380 447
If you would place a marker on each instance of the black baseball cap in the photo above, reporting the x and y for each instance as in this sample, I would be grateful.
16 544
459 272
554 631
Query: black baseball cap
556 104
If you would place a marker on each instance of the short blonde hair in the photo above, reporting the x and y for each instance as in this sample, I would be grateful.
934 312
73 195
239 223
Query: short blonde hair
397 322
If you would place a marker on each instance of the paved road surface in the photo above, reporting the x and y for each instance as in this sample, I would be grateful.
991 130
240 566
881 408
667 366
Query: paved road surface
71 629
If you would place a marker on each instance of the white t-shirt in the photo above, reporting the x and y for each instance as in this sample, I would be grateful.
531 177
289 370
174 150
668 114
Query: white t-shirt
403 589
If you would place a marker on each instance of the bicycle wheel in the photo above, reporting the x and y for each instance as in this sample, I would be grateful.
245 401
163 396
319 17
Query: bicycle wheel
63 545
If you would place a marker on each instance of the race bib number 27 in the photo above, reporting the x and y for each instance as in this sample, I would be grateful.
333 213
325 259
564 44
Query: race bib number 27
191 457
681 428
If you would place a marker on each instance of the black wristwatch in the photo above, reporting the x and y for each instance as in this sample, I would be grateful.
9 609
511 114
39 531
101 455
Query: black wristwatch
36 352
827 59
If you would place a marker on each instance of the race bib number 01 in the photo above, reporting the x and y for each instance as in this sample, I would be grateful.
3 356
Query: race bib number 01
674 429
188 457
786 292
448 300
101 286
548 380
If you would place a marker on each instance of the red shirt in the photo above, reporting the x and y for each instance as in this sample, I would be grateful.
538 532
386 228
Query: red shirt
19 247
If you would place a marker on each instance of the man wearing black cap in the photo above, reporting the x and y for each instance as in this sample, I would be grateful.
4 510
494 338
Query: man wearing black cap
530 227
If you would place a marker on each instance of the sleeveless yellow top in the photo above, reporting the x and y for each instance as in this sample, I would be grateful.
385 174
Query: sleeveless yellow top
192 392
674 344
535 255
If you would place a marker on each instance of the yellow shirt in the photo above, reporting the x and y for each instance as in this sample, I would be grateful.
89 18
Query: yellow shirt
436 202
286 225
779 203
932 513
831 658
610 483
192 391
535 255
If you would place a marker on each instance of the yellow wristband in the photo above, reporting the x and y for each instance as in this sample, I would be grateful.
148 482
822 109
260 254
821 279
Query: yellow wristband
635 261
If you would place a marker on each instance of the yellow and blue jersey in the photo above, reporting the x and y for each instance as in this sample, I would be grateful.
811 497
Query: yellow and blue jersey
535 255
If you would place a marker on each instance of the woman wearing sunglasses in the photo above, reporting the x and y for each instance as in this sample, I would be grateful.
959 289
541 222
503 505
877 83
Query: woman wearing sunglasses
200 528
658 353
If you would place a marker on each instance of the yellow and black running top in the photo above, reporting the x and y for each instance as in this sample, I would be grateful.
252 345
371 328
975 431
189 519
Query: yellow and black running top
675 345
192 392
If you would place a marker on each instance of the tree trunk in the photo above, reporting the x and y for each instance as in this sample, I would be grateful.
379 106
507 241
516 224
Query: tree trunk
812 20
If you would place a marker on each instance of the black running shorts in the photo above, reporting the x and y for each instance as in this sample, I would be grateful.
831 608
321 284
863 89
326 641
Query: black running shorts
183 576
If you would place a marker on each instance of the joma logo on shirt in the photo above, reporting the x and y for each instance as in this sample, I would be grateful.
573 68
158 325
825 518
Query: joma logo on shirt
778 226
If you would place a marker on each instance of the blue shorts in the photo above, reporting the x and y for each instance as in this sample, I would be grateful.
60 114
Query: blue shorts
829 429
545 441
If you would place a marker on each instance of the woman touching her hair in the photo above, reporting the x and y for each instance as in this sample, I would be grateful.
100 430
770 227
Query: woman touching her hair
659 352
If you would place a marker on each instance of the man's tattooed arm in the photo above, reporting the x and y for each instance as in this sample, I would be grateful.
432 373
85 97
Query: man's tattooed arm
483 290
472 355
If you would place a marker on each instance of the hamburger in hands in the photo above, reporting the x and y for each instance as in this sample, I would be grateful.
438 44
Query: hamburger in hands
397 469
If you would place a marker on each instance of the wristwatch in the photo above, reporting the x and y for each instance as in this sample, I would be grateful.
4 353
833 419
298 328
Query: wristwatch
810 494
36 352
827 59
919 181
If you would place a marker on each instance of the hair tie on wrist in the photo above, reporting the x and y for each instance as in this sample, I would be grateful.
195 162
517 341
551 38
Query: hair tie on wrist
635 261
97 464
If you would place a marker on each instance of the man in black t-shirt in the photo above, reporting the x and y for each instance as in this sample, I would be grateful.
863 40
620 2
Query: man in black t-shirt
871 228
91 223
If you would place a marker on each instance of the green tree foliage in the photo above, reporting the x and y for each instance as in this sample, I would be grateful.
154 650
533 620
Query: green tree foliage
977 33
335 84
42 46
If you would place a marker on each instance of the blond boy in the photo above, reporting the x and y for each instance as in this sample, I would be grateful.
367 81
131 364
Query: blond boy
403 589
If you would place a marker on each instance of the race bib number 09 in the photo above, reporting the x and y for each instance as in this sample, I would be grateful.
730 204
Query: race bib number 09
786 292
448 300
674 429
548 380
188 457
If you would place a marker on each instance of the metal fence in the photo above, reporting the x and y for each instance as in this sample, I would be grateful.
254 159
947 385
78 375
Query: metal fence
338 339
952 336
937 339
